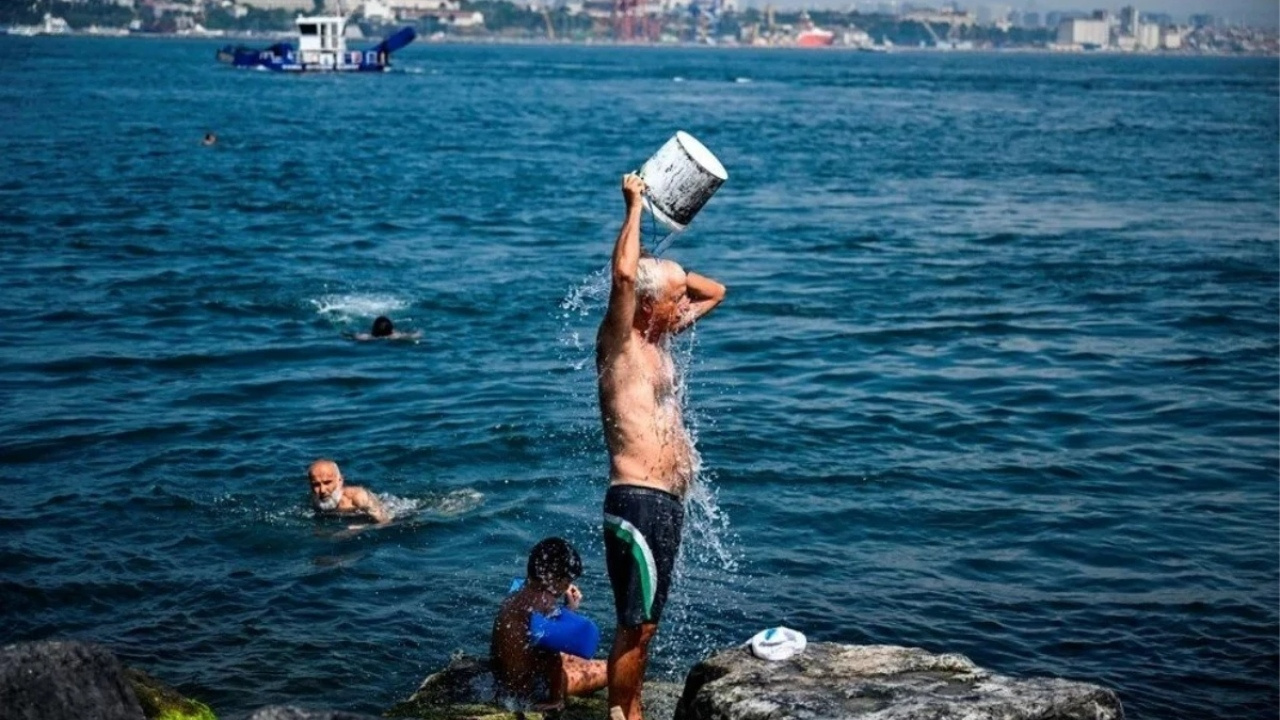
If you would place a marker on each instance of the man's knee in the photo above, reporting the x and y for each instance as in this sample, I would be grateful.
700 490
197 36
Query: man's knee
637 636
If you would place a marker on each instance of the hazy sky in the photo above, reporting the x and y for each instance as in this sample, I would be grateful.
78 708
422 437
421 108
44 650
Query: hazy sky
1260 12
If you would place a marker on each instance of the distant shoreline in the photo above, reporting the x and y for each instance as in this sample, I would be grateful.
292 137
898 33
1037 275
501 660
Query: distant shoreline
495 40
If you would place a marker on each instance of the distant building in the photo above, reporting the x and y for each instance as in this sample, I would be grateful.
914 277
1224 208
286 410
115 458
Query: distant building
1031 20
1171 38
299 5
946 16
1129 20
461 19
441 13
444 6
377 11
992 14
1149 37
1203 20
1087 33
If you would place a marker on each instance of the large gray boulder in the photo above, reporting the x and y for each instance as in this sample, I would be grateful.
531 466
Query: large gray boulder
829 681
64 681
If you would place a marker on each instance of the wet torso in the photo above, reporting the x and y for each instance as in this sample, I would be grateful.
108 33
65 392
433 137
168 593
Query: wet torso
521 670
640 406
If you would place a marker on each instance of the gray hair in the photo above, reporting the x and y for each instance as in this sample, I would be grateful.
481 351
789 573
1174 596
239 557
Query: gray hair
649 277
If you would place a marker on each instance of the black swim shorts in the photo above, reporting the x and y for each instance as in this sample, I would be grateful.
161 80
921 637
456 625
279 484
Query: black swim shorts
641 538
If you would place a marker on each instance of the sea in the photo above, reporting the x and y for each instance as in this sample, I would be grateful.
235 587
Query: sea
997 372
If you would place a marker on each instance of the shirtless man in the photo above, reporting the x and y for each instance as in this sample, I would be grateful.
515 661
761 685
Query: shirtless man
651 460
528 671
330 496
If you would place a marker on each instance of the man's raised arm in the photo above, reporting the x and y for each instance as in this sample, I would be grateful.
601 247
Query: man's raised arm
704 295
626 259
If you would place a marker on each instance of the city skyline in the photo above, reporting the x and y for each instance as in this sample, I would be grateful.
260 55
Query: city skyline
1265 13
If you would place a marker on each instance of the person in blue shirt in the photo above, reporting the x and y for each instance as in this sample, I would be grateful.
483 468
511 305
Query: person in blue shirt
541 648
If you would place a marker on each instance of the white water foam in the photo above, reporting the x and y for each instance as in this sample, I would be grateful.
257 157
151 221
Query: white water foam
450 504
578 305
349 307
457 502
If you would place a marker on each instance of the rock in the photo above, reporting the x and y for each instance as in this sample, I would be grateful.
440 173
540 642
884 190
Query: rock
53 680
161 702
829 681
288 712
464 691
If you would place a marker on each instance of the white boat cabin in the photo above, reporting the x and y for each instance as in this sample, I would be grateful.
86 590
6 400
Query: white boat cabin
321 42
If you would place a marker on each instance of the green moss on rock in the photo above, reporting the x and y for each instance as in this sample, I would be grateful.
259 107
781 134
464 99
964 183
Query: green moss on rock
161 702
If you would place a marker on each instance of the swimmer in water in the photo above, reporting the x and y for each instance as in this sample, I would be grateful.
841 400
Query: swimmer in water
540 678
383 329
209 139
331 496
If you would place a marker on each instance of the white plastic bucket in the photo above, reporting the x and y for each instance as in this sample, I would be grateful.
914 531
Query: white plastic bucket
681 177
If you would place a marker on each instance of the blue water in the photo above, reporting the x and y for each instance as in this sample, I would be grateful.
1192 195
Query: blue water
997 373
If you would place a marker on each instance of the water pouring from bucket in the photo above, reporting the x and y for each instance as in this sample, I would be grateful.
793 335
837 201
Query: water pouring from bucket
680 178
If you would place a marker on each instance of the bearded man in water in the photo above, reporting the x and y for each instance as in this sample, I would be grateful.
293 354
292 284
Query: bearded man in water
330 495
650 455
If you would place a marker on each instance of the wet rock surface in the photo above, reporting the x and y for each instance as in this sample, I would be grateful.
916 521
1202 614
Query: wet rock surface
464 691
829 681
55 680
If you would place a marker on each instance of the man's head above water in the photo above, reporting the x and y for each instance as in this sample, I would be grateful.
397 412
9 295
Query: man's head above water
331 495
326 485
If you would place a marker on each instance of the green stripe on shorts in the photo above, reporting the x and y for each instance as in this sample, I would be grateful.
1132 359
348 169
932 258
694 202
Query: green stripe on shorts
640 552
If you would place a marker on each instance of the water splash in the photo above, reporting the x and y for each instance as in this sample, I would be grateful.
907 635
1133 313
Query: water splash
457 502
581 302
707 531
450 504
356 306
398 507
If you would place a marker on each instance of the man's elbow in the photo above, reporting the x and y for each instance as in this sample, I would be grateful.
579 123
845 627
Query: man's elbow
624 277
